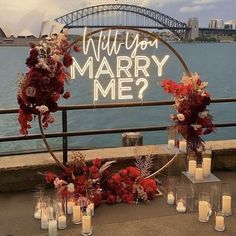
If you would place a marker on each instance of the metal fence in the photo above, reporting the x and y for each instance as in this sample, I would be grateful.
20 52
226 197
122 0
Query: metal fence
64 134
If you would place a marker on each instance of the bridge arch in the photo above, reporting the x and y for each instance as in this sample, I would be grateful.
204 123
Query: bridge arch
73 19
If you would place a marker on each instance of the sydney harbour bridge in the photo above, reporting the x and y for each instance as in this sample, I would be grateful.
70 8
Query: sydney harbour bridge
107 15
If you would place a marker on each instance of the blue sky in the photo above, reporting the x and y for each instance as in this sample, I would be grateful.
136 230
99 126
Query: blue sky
16 14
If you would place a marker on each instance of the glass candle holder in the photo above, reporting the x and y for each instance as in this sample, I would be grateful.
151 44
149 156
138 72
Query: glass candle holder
219 221
44 216
183 145
70 202
206 161
90 209
215 197
76 210
61 215
171 138
204 208
86 224
181 205
192 163
226 199
52 225
171 182
199 173
38 200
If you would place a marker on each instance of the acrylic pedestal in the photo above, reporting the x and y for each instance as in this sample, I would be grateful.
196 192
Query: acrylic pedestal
195 187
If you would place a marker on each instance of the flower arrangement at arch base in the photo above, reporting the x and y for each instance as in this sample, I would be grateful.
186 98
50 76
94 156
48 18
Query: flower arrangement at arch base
192 119
96 183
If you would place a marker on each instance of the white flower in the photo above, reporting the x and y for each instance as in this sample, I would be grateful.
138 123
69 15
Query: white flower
59 182
42 64
71 188
30 91
203 114
181 117
42 109
196 127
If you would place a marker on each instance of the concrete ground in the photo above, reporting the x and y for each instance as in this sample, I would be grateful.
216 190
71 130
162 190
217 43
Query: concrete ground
151 219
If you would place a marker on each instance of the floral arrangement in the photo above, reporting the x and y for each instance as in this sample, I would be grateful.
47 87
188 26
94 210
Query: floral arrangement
42 86
95 182
191 100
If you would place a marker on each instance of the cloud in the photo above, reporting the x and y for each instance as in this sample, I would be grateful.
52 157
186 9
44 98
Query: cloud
197 8
203 2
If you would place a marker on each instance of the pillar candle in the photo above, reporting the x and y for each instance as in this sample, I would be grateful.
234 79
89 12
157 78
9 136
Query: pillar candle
171 145
37 214
61 222
226 205
183 146
52 228
206 166
50 210
70 205
199 174
86 224
76 214
91 208
192 164
170 198
220 223
44 222
203 211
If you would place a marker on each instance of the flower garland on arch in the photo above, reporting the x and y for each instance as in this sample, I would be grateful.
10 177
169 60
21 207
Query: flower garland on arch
192 119
41 87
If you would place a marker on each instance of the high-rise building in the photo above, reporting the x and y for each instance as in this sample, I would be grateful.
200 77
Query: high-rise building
230 24
216 24
193 24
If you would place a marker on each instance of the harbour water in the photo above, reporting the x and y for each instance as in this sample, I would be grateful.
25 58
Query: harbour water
215 62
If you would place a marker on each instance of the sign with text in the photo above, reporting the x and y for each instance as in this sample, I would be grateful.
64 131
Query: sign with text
121 59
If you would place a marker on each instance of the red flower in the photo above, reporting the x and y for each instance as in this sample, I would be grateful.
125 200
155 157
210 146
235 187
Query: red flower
50 177
80 180
123 172
111 199
148 184
133 172
116 178
97 163
76 48
128 198
66 95
93 169
67 60
97 198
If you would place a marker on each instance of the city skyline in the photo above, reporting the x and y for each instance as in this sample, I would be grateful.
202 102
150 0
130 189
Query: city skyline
30 13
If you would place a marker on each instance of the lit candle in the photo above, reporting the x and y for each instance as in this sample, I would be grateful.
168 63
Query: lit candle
183 146
70 205
206 166
44 222
37 214
86 224
52 228
226 205
170 198
90 208
199 174
60 206
50 210
171 145
61 220
220 223
181 207
192 164
203 211
76 214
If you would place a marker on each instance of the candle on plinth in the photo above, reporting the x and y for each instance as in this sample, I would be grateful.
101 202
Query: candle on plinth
171 145
52 228
61 222
192 165
203 211
86 224
226 205
199 174
180 207
183 146
44 221
170 198
220 223
70 205
76 214
206 167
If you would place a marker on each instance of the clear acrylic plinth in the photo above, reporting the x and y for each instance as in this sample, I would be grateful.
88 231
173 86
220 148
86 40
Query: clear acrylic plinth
196 187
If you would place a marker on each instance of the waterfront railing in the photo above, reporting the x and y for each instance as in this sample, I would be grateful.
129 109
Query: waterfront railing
64 133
